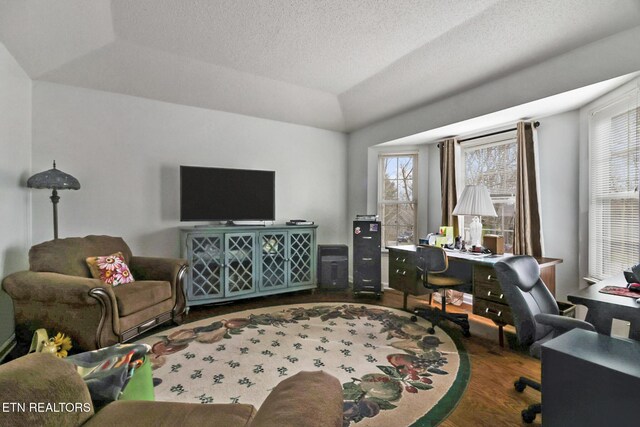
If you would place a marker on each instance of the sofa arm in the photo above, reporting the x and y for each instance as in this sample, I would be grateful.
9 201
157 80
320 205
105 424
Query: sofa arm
563 324
33 381
311 399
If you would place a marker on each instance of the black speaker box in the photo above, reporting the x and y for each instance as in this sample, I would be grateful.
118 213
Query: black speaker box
333 266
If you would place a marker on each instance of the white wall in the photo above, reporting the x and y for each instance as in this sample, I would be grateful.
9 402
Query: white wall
559 156
126 152
607 58
558 149
15 161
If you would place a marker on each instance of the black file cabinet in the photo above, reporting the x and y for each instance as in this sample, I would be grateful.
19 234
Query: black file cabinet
366 257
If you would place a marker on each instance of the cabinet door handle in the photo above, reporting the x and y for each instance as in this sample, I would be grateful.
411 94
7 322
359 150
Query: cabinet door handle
397 258
489 293
491 278
397 270
404 259
367 259
367 280
404 272
493 311
367 237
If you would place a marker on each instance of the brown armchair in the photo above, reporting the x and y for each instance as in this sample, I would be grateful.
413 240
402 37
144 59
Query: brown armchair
59 294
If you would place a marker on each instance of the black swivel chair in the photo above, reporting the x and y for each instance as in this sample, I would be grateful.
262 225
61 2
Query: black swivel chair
535 313
431 262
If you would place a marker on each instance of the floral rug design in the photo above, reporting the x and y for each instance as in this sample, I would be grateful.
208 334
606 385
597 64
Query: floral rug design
393 372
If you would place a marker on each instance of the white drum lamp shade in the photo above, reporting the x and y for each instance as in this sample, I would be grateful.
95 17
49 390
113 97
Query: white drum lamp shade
475 200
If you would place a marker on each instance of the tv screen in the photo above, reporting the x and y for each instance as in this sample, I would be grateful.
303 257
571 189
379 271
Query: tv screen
218 194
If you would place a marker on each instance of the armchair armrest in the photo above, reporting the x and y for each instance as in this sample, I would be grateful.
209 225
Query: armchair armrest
82 307
153 268
563 324
54 287
169 269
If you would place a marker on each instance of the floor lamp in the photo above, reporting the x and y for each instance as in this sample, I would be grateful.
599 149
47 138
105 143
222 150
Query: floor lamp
475 200
54 179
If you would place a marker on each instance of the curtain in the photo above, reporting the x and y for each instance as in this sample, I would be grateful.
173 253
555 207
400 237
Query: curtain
528 226
449 195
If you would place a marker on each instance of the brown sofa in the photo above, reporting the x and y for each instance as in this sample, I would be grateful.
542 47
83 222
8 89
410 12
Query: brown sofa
58 293
30 383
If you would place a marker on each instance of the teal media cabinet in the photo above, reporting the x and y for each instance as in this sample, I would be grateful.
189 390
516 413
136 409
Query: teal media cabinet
234 262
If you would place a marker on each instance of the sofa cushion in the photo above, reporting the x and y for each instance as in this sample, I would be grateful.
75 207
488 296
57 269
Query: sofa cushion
67 256
139 295
110 269
145 413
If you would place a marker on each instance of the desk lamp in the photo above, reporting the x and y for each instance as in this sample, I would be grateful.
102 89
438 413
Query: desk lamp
54 179
475 200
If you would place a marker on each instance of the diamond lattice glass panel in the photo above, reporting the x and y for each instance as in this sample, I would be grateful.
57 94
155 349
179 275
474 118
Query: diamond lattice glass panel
206 266
240 263
274 272
300 258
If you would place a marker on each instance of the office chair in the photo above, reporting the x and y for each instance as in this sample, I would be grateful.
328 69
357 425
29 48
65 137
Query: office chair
535 312
431 262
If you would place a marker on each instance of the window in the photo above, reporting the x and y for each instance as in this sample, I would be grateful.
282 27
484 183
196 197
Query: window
492 161
397 204
613 202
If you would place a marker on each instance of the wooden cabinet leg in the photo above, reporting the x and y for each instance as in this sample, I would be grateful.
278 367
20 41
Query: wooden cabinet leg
501 335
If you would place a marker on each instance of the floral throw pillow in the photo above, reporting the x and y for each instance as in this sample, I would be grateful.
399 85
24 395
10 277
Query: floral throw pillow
110 269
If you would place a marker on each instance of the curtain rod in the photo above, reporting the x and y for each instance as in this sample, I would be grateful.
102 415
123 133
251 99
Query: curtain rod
535 125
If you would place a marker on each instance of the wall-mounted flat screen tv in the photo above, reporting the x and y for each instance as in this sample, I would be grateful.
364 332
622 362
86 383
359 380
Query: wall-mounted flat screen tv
219 194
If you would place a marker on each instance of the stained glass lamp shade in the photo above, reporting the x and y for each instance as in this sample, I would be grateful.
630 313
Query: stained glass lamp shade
54 179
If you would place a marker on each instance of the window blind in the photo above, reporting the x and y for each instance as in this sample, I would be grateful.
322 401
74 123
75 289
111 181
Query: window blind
614 139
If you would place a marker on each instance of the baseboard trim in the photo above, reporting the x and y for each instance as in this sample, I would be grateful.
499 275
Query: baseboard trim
7 346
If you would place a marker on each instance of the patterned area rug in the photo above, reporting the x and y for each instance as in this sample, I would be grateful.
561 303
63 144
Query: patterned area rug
392 371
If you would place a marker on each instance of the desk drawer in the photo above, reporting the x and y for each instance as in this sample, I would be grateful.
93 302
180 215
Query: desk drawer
402 260
483 274
489 291
492 310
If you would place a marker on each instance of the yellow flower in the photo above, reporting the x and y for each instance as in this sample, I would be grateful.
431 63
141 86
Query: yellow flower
63 343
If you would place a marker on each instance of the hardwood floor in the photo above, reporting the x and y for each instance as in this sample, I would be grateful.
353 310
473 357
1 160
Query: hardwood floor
490 399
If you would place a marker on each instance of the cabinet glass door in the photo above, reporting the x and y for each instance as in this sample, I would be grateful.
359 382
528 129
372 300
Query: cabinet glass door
240 263
273 260
206 266
301 268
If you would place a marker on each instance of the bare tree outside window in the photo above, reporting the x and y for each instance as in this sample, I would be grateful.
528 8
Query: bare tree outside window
397 204
494 165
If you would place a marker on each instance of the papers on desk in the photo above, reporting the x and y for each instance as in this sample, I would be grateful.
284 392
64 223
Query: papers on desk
469 253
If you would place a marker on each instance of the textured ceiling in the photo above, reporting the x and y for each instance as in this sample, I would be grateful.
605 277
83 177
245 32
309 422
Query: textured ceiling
333 64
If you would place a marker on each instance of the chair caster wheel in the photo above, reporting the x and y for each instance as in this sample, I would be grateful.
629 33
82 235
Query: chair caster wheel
528 416
519 386
431 331
414 318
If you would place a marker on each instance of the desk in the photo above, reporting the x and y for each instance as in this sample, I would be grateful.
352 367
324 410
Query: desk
603 308
589 379
477 270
